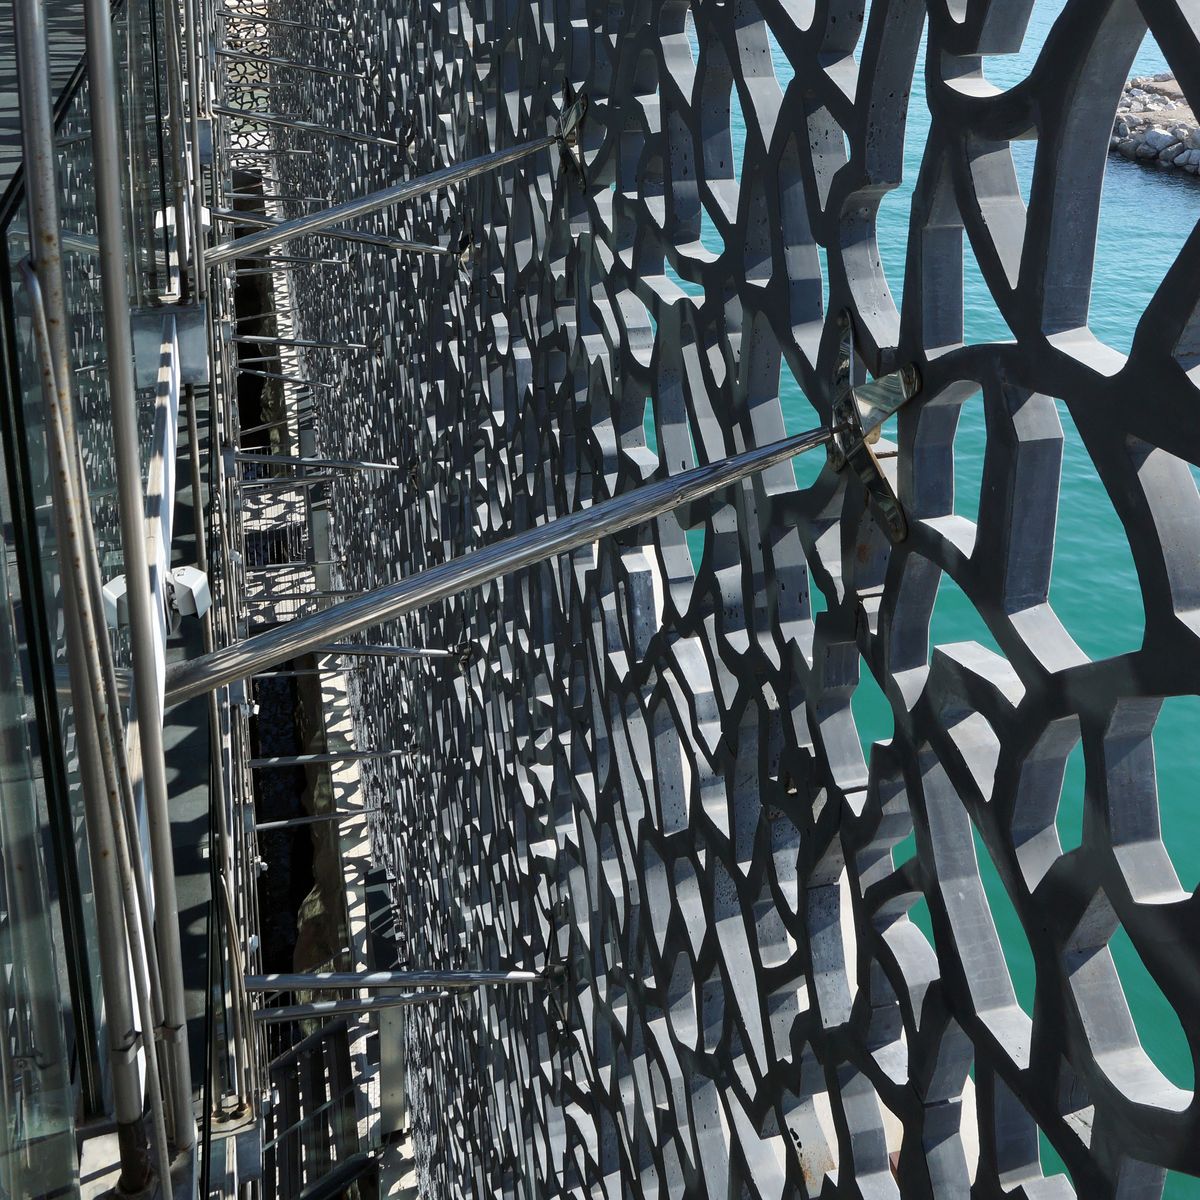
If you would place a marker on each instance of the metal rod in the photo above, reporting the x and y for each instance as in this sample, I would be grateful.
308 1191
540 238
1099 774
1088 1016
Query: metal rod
296 565
117 908
251 339
277 198
353 648
348 464
315 819
374 201
336 1008
177 143
261 19
37 136
471 570
308 383
282 122
108 157
263 60
195 96
288 484
312 760
257 221
350 981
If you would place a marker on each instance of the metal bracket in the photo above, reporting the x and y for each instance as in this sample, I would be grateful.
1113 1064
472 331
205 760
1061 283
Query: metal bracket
116 602
188 591
126 1055
204 127
569 124
191 332
170 1034
857 418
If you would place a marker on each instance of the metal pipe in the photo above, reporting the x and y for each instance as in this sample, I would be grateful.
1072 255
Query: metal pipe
262 19
354 648
315 819
37 135
471 570
287 484
257 221
348 464
311 760
177 144
374 201
114 882
279 121
107 158
337 1008
351 981
263 60
195 95
251 339
283 379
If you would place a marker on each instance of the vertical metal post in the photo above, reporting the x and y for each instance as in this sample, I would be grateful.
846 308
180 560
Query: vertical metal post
107 154
195 93
175 141
37 132
106 826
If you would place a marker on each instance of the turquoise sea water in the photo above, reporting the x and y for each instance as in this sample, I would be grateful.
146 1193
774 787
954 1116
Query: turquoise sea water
1146 216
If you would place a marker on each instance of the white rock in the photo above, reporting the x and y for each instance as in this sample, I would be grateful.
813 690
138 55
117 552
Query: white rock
1158 139
1129 147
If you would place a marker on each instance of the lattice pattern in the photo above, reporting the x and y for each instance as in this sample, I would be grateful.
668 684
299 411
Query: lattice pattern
652 771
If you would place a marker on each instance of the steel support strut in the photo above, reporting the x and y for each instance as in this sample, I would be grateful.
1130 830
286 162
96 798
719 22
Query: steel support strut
398 194
559 536
352 981
109 159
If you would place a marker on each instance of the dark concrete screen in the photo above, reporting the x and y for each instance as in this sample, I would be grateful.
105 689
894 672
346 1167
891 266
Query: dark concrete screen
788 935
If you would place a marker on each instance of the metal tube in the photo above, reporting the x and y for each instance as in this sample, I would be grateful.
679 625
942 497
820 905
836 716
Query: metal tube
350 981
37 135
107 156
336 1008
352 649
263 60
177 144
348 464
262 19
471 570
250 339
315 819
287 484
374 201
195 95
116 904
283 379
282 122
256 221
310 760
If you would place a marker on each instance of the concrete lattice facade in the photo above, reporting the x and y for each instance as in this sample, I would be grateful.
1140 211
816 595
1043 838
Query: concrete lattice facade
650 770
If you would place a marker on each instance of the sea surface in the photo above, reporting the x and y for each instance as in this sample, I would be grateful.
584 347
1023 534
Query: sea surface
1146 216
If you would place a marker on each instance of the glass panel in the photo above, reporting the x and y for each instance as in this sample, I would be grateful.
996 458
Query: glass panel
37 1145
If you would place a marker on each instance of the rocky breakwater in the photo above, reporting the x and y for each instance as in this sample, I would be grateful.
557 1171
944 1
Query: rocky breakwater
1155 124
